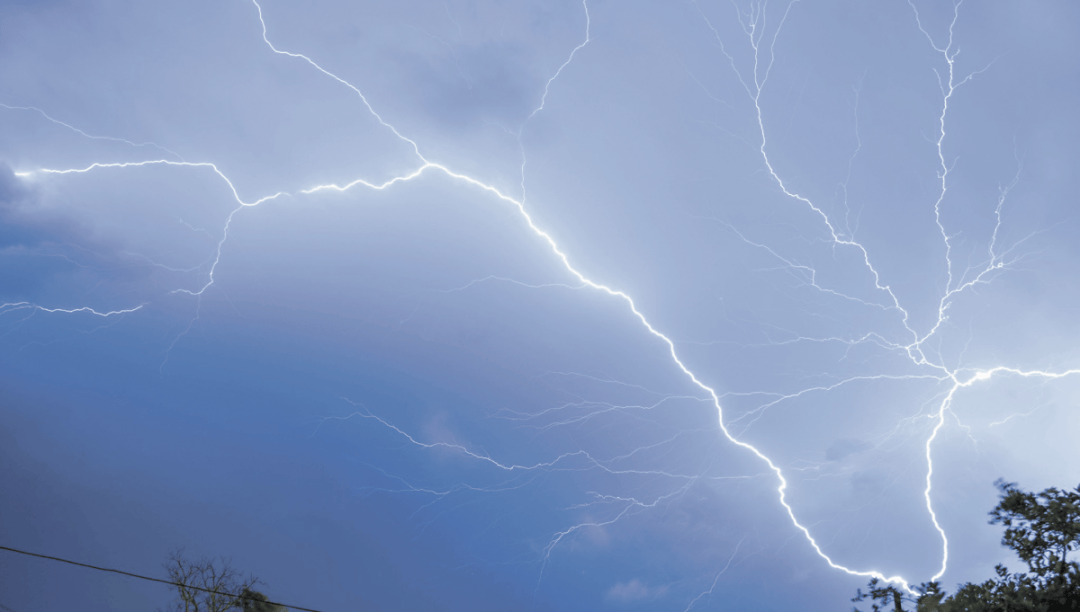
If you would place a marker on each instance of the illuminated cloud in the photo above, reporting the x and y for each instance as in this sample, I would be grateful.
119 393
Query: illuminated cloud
500 305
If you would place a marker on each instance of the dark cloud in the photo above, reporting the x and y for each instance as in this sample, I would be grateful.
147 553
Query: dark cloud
16 227
38 246
21 237
10 187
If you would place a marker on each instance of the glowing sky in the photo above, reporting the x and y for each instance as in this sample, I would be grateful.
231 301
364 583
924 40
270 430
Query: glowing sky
476 305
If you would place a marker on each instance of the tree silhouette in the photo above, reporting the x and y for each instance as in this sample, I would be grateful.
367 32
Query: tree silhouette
254 601
1042 529
213 585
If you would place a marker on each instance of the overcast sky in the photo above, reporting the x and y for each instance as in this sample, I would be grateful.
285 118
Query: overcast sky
478 305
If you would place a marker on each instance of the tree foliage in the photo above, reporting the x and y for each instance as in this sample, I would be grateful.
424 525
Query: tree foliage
213 585
1042 529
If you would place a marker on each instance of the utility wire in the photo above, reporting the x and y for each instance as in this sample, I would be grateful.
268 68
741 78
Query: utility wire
116 571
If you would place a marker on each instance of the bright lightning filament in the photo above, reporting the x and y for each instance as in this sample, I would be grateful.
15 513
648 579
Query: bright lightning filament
753 27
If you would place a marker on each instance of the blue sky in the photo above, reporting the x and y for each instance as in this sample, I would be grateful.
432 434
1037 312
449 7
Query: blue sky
448 305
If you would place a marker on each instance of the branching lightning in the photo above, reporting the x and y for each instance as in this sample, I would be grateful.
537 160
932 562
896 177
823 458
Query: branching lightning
734 553
755 83
753 25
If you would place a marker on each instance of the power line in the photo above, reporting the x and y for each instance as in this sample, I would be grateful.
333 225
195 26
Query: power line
170 582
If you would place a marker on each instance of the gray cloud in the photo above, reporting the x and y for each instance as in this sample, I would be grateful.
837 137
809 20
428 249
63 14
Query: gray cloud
15 229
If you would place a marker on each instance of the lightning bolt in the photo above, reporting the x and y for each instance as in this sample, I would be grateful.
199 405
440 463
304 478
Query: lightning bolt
755 82
13 306
753 24
584 280
734 553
